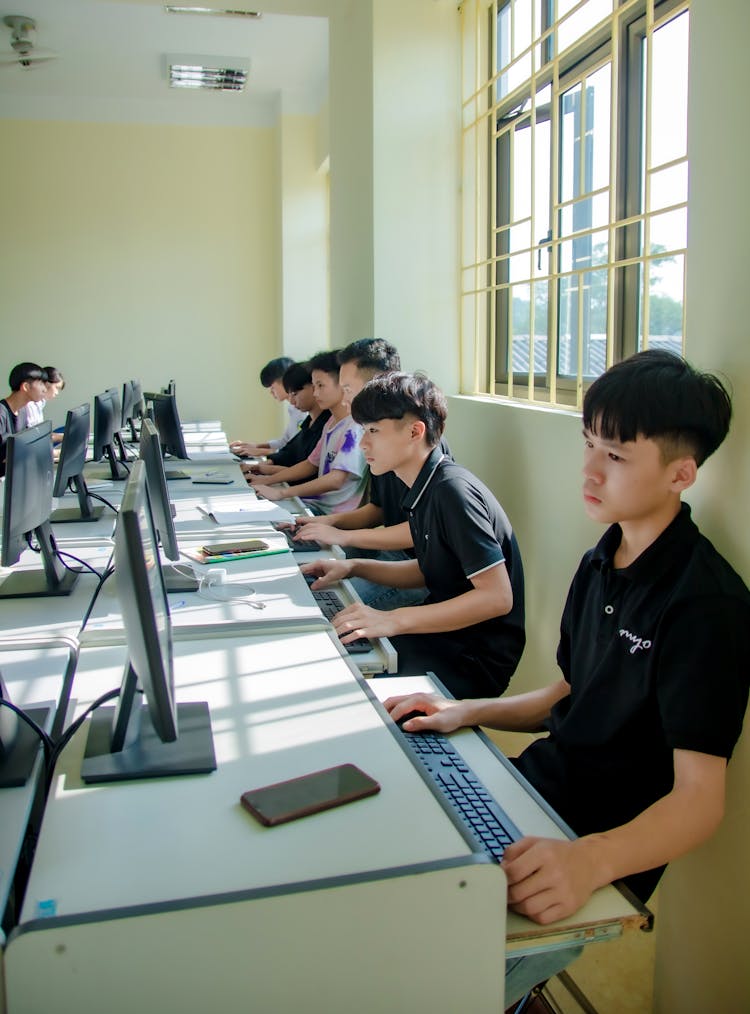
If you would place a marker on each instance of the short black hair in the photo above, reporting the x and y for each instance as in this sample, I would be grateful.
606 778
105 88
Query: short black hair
395 395
325 362
657 394
275 370
296 377
371 354
23 372
54 376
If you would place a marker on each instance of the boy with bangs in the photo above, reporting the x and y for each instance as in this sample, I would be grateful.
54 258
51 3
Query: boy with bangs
653 653
470 628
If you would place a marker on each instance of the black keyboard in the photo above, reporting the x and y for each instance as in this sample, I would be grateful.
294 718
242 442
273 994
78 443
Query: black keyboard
476 808
329 604
302 546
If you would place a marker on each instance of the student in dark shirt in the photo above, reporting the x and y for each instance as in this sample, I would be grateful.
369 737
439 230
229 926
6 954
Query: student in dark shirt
653 655
379 529
298 385
28 384
470 629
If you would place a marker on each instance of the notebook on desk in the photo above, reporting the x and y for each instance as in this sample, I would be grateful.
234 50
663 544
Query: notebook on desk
607 912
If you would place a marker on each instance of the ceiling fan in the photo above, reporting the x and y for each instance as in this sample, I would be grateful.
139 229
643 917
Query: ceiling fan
25 54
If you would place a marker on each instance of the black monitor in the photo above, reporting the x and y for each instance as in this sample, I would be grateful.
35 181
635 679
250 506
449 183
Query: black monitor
69 475
150 453
167 421
159 737
132 408
28 505
19 743
107 440
171 388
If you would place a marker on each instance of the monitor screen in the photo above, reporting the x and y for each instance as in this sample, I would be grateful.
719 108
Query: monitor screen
106 431
27 509
69 473
157 738
167 422
176 579
126 413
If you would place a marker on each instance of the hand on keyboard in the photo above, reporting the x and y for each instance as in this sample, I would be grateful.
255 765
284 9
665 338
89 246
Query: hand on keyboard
327 572
550 879
437 713
359 620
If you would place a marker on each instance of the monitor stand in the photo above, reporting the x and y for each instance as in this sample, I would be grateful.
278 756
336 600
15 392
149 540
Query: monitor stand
192 753
33 584
176 580
65 514
18 763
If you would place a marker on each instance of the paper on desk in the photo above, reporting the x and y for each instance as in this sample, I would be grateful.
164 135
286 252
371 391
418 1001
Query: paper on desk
256 510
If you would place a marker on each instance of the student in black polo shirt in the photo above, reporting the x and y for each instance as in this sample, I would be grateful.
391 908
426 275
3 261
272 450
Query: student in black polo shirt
653 654
379 529
298 384
470 630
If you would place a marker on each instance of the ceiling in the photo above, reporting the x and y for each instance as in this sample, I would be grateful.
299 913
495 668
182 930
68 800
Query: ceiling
110 64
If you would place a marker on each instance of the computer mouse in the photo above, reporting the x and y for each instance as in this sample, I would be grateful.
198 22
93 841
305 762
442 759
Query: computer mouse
407 717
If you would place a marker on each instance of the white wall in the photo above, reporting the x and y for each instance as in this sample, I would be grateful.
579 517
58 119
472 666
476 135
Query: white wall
155 252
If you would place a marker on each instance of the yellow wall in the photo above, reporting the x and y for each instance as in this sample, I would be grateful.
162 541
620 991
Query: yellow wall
147 252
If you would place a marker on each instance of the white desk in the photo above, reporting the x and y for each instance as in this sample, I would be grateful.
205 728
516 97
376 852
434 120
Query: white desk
167 895
37 674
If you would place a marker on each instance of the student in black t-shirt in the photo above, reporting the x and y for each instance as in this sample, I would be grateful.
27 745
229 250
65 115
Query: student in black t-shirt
653 654
298 384
28 383
470 629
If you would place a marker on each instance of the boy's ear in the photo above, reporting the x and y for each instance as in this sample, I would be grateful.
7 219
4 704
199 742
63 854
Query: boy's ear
418 429
684 473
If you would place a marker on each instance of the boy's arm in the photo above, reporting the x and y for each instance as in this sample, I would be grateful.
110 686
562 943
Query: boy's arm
491 595
334 479
550 880
394 573
390 537
516 713
366 516
302 470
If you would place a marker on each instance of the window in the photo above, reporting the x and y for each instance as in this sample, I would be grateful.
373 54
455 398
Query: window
575 190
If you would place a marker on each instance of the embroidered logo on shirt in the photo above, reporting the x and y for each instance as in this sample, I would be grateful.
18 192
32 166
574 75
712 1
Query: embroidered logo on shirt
638 643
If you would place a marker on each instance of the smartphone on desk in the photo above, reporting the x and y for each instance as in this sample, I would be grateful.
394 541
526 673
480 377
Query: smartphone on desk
238 547
299 797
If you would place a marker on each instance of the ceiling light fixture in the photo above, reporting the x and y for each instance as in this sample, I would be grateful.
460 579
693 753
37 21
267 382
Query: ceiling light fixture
221 12
217 73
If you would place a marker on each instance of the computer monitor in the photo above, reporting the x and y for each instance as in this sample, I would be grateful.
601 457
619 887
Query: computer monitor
107 440
171 388
157 738
28 505
167 421
132 408
69 475
19 743
150 453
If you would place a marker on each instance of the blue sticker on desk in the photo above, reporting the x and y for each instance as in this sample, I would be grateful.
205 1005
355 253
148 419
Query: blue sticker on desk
177 605
46 909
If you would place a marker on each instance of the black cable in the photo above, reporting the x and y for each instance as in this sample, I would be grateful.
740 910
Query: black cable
101 499
86 616
43 736
87 566
73 728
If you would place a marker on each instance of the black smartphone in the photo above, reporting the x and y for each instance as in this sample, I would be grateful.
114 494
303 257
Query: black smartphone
240 546
299 797
213 480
